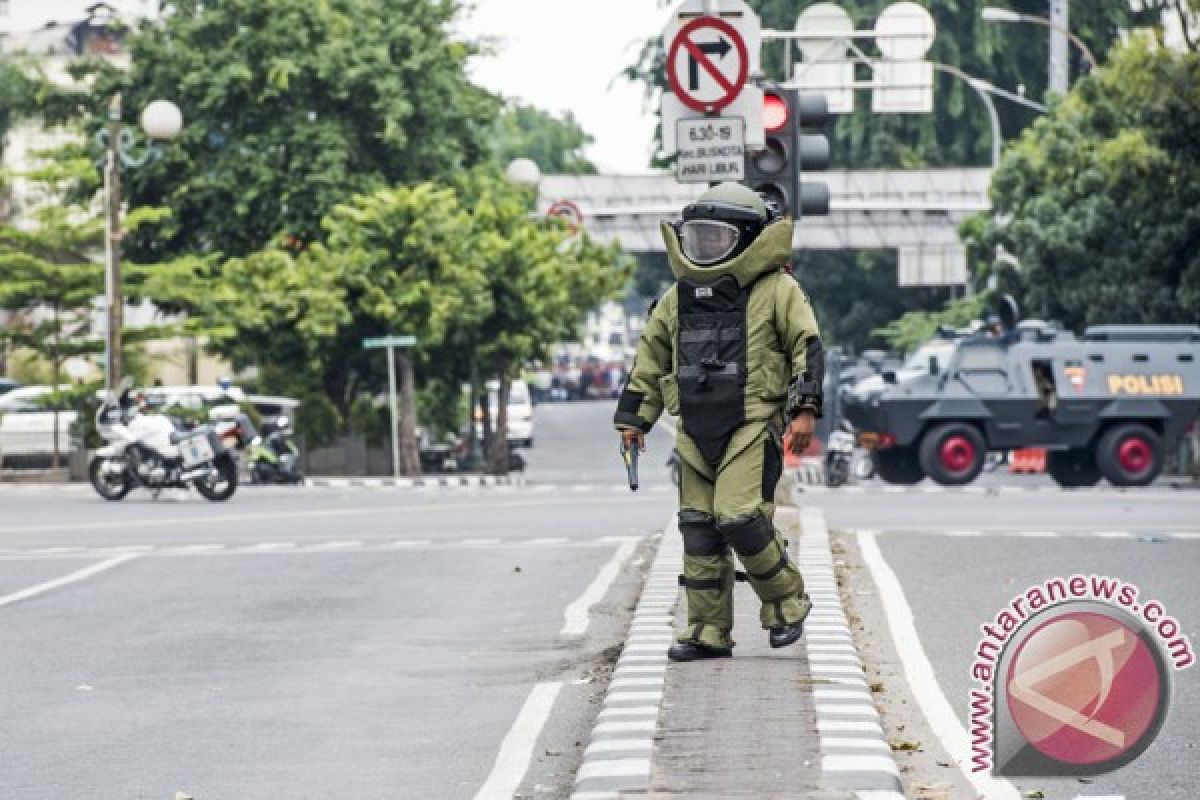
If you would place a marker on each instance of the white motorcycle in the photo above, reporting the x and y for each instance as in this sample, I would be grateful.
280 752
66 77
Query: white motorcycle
146 450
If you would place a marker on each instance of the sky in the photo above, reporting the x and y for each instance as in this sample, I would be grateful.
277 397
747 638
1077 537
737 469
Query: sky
558 55
566 55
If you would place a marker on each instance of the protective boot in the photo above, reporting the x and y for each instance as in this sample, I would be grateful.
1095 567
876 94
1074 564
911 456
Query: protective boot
772 575
708 582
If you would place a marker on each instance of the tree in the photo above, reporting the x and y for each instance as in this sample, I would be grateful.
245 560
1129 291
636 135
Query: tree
1100 200
290 107
406 268
50 273
554 143
541 281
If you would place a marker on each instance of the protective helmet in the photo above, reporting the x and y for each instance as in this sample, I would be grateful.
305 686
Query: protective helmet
721 224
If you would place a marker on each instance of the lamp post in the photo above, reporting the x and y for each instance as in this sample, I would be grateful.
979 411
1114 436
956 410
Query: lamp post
994 14
161 120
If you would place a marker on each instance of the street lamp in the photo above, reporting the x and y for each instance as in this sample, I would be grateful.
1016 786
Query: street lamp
161 120
994 14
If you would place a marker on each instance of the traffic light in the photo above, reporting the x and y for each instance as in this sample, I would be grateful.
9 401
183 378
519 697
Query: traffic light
772 171
812 111
776 171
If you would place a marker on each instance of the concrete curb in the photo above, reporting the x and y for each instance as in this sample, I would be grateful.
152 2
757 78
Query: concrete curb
441 482
618 757
855 754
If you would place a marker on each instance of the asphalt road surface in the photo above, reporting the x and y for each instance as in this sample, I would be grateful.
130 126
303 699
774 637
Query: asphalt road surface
960 556
318 643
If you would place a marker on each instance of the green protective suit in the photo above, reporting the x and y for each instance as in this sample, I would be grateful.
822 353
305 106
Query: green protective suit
727 502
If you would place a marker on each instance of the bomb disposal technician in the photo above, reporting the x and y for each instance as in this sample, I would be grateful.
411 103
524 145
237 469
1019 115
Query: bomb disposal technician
733 349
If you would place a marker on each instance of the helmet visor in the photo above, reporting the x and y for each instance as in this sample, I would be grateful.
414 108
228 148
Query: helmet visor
707 241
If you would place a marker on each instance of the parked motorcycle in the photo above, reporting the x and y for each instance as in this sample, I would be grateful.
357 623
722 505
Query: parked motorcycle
839 452
147 450
273 457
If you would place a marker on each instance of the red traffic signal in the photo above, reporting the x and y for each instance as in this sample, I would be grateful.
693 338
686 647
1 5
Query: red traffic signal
775 113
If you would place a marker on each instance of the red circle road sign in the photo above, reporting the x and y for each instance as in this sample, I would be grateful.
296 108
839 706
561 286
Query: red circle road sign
697 79
568 211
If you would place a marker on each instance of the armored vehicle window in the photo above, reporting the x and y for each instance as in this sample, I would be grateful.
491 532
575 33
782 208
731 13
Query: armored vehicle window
1185 357
982 369
972 357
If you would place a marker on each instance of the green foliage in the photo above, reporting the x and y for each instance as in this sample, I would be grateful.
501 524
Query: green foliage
854 294
290 107
914 328
541 280
52 271
367 420
554 143
440 407
1100 200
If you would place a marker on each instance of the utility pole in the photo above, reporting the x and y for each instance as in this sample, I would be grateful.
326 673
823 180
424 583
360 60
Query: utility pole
1058 67
112 248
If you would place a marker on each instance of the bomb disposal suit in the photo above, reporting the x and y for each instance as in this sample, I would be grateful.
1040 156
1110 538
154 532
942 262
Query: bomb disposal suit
733 350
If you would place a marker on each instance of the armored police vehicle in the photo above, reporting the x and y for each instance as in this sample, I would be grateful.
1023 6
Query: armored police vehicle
1107 405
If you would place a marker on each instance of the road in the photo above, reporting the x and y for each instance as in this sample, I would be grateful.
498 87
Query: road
960 556
317 643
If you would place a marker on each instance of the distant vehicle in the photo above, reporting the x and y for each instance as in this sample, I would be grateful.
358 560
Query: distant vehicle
520 413
196 398
1107 405
273 457
271 407
27 423
7 385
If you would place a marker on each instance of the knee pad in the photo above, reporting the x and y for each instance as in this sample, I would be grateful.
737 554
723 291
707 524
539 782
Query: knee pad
700 534
749 534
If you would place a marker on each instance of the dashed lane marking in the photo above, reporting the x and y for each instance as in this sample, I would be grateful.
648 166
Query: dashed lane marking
1148 535
294 548
216 520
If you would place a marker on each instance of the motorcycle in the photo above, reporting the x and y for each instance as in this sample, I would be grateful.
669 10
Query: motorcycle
273 457
839 453
148 451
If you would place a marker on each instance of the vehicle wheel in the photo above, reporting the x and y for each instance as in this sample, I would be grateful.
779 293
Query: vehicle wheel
1073 468
110 487
222 487
953 453
898 465
1129 455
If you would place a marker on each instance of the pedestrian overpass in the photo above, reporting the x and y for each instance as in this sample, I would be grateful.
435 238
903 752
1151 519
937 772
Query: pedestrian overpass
916 212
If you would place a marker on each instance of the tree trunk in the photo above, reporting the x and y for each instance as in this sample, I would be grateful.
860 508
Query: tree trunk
55 368
498 452
193 360
410 456
474 450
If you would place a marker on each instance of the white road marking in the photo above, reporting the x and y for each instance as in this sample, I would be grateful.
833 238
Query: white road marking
861 764
216 520
517 748
919 671
74 577
575 617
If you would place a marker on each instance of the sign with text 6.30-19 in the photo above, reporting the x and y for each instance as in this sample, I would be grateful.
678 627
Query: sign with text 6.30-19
710 149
